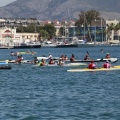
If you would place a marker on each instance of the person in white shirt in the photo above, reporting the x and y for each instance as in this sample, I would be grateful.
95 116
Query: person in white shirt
50 56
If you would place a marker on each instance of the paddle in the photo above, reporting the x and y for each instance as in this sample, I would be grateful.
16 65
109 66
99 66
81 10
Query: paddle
102 51
89 55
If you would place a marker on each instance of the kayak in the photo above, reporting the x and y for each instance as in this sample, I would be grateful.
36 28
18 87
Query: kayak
5 67
3 62
64 65
97 60
23 61
91 70
46 58
76 64
21 53
109 59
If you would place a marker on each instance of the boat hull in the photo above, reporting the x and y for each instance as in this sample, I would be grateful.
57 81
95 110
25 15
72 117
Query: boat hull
26 46
5 67
64 65
97 60
94 70
66 46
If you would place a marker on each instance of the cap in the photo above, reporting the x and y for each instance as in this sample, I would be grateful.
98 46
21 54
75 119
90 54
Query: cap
107 53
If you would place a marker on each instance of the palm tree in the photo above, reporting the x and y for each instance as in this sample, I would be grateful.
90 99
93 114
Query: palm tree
109 29
116 28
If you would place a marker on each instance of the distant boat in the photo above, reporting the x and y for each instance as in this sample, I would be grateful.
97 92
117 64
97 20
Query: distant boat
62 44
27 45
47 44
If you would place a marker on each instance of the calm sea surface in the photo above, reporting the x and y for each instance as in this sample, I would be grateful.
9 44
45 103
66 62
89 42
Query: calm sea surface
52 93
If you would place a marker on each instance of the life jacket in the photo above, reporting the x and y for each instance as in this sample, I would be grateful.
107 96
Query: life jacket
91 66
106 65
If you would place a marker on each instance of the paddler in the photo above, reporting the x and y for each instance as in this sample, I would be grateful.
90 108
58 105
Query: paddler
107 56
35 61
51 61
12 54
18 61
42 62
50 56
60 62
72 59
106 64
87 57
65 57
92 65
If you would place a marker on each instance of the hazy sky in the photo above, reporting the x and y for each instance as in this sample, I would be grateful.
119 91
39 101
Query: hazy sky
5 2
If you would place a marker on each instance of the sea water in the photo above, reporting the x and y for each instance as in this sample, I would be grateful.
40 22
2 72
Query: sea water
52 93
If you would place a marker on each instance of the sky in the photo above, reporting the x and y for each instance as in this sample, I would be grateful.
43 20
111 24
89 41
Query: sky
5 2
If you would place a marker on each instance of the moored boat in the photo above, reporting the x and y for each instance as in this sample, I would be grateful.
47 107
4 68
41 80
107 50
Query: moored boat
48 44
26 45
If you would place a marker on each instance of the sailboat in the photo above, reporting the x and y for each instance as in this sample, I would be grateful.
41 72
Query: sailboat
82 41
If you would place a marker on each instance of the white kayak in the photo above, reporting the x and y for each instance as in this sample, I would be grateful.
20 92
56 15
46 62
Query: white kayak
53 65
46 58
109 59
91 70
97 60
23 61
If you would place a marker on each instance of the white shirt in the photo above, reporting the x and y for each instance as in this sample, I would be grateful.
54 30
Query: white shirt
50 56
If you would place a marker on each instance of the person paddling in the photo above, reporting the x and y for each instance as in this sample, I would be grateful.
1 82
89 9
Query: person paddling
72 59
51 61
106 64
92 65
42 62
60 62
18 61
50 56
87 57
107 56
35 61
12 54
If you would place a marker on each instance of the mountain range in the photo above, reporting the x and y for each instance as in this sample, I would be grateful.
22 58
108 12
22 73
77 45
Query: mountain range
59 9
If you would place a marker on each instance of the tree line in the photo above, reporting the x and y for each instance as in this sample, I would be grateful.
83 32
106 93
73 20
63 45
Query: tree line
84 19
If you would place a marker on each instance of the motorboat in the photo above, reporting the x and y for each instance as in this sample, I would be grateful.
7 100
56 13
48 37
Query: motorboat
47 44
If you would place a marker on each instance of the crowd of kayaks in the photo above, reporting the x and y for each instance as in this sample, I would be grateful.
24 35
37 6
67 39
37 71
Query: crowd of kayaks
6 64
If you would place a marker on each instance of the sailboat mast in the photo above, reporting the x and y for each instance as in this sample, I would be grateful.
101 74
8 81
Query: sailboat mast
84 25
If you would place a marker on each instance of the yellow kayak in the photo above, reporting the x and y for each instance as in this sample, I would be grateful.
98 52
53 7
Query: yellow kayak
20 53
90 70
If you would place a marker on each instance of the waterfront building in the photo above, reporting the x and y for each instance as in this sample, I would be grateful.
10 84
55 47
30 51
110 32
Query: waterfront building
97 32
9 36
